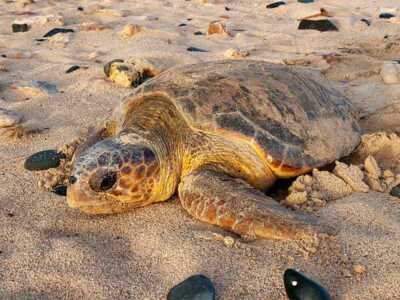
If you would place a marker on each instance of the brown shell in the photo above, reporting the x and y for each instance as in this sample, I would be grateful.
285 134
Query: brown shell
291 113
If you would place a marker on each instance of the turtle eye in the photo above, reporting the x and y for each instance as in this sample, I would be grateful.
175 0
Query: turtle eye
103 180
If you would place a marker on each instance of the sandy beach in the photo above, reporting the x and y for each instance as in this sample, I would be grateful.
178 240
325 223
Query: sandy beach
50 251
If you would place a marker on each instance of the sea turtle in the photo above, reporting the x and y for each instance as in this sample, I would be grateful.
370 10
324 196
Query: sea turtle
219 134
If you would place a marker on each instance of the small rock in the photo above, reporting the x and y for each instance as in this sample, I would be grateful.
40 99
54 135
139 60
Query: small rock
236 53
19 27
298 286
217 28
57 31
198 33
359 269
195 49
390 72
182 25
123 74
296 198
305 1
107 66
395 192
130 30
320 25
386 16
229 241
197 287
9 118
43 160
352 175
331 186
72 69
372 168
276 4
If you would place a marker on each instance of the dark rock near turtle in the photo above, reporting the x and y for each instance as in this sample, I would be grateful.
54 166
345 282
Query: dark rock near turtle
57 31
43 160
300 287
320 25
20 27
60 190
197 287
395 192
72 69
386 16
276 4
368 22
195 49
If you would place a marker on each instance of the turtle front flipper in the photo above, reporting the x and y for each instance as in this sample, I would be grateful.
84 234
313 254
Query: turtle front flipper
236 206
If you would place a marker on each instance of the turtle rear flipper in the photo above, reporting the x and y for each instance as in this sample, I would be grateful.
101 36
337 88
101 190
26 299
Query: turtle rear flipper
234 205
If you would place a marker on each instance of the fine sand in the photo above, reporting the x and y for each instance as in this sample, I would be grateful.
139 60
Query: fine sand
49 251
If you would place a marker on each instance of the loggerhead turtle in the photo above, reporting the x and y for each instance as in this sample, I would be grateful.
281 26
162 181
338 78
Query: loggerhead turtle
218 133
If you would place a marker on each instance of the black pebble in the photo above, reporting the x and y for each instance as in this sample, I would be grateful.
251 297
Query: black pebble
300 287
194 49
60 190
227 8
20 27
368 22
182 25
395 192
80 8
72 69
276 4
386 16
198 33
305 1
320 25
40 40
197 287
57 30
107 66
43 160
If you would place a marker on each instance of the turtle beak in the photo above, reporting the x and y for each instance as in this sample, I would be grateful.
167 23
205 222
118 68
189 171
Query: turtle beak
74 198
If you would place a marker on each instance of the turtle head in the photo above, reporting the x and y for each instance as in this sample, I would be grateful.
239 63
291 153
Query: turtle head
113 176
